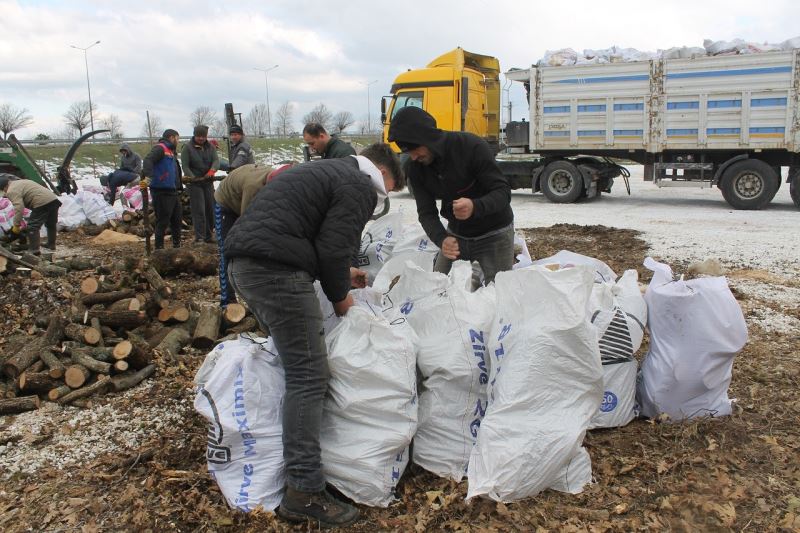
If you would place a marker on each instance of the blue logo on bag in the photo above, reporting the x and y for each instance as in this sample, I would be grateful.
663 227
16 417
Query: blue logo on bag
407 307
609 402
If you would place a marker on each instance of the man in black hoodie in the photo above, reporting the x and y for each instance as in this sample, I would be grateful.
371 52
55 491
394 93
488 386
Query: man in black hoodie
459 169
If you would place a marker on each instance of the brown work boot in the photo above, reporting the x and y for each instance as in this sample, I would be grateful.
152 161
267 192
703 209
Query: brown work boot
319 507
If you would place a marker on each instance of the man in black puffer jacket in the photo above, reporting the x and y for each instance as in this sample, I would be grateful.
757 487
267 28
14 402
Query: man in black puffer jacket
307 224
459 169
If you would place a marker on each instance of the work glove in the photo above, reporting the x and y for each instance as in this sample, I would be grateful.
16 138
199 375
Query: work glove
186 179
143 183
210 173
16 230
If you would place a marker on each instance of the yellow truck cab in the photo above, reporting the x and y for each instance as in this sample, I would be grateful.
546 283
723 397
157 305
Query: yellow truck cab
460 89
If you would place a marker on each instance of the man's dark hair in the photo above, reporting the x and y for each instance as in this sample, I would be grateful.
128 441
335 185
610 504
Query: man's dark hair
383 155
315 129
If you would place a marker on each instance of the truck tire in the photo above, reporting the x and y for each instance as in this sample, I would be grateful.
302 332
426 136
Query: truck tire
561 182
794 185
749 184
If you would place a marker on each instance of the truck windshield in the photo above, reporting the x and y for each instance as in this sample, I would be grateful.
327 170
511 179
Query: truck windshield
407 99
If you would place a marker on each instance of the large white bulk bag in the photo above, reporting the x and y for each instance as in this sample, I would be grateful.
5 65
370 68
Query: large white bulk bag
240 390
371 407
546 383
619 313
696 329
453 325
377 243
565 258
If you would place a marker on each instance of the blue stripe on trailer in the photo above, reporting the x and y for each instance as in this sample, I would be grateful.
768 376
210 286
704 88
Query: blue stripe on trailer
628 107
628 132
717 104
683 105
723 131
729 72
605 79
591 133
557 133
779 129
591 108
682 131
556 109
767 102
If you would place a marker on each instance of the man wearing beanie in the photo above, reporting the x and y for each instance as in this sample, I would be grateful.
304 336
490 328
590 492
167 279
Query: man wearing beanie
44 207
160 168
459 169
306 225
200 163
241 152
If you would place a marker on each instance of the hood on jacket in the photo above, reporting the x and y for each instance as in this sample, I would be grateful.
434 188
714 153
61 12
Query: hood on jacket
368 167
416 126
126 147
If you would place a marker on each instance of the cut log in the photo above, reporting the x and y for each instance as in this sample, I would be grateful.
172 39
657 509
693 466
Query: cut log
11 406
207 330
233 314
89 285
123 350
104 353
126 304
37 366
156 338
172 344
129 380
121 366
120 319
37 383
248 324
29 354
140 353
84 359
157 282
178 313
77 263
106 298
53 363
86 335
3 263
58 392
172 261
99 386
95 322
76 376
83 403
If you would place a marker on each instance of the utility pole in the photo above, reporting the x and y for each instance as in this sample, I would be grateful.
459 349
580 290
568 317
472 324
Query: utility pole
88 86
266 93
369 118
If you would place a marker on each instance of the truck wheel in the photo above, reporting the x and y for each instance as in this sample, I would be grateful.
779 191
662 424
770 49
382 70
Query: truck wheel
749 184
794 186
561 182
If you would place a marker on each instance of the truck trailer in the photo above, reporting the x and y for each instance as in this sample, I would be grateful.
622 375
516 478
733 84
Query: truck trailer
729 122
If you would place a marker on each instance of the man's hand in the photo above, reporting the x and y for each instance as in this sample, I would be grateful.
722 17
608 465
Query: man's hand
341 308
143 183
450 248
187 179
16 230
463 208
358 278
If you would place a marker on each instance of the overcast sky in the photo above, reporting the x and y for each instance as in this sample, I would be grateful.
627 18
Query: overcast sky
170 57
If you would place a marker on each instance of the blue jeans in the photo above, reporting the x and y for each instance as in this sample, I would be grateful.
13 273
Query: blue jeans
284 302
494 252
115 179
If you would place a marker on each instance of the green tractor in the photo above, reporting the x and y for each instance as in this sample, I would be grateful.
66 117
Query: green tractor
14 159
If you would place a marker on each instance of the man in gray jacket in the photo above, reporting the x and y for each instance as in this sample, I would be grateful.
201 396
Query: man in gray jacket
241 151
200 163
130 166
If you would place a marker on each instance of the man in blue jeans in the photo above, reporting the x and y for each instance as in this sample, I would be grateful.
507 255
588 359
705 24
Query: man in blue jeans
130 167
306 225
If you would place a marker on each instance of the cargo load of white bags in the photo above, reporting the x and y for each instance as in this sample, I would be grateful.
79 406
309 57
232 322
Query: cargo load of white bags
240 390
696 329
546 383
452 324
371 407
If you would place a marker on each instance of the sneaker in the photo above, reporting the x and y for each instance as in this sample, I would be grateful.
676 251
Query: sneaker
320 507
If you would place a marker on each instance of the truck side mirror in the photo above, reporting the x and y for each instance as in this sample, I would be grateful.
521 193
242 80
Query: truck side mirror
383 110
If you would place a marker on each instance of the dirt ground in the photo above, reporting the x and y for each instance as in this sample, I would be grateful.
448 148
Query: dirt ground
737 473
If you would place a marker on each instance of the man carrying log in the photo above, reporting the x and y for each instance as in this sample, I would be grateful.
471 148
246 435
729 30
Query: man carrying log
307 224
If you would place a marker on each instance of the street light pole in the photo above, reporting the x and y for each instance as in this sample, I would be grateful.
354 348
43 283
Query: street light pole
266 93
88 86
369 117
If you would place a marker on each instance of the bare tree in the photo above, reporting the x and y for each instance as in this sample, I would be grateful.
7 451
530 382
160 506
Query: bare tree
343 120
13 118
203 115
78 116
218 128
155 128
284 118
321 115
257 121
114 124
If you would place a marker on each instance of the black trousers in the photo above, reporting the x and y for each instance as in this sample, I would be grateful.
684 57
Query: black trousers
167 208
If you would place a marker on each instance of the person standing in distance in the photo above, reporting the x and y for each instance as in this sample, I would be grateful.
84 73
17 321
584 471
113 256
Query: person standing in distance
161 171
241 151
458 169
200 163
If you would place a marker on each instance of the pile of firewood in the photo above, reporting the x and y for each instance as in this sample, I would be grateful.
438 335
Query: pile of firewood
112 337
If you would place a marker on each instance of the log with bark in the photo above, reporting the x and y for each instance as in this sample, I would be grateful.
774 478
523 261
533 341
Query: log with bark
131 379
172 261
89 285
53 363
172 344
207 330
85 360
10 406
84 334
178 313
101 385
136 351
36 383
58 392
157 282
77 263
233 314
126 304
29 354
101 353
76 376
248 324
106 298
120 319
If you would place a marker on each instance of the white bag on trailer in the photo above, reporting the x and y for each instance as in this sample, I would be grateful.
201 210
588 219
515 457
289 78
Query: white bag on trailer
546 383
371 408
452 324
696 329
240 390
619 313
